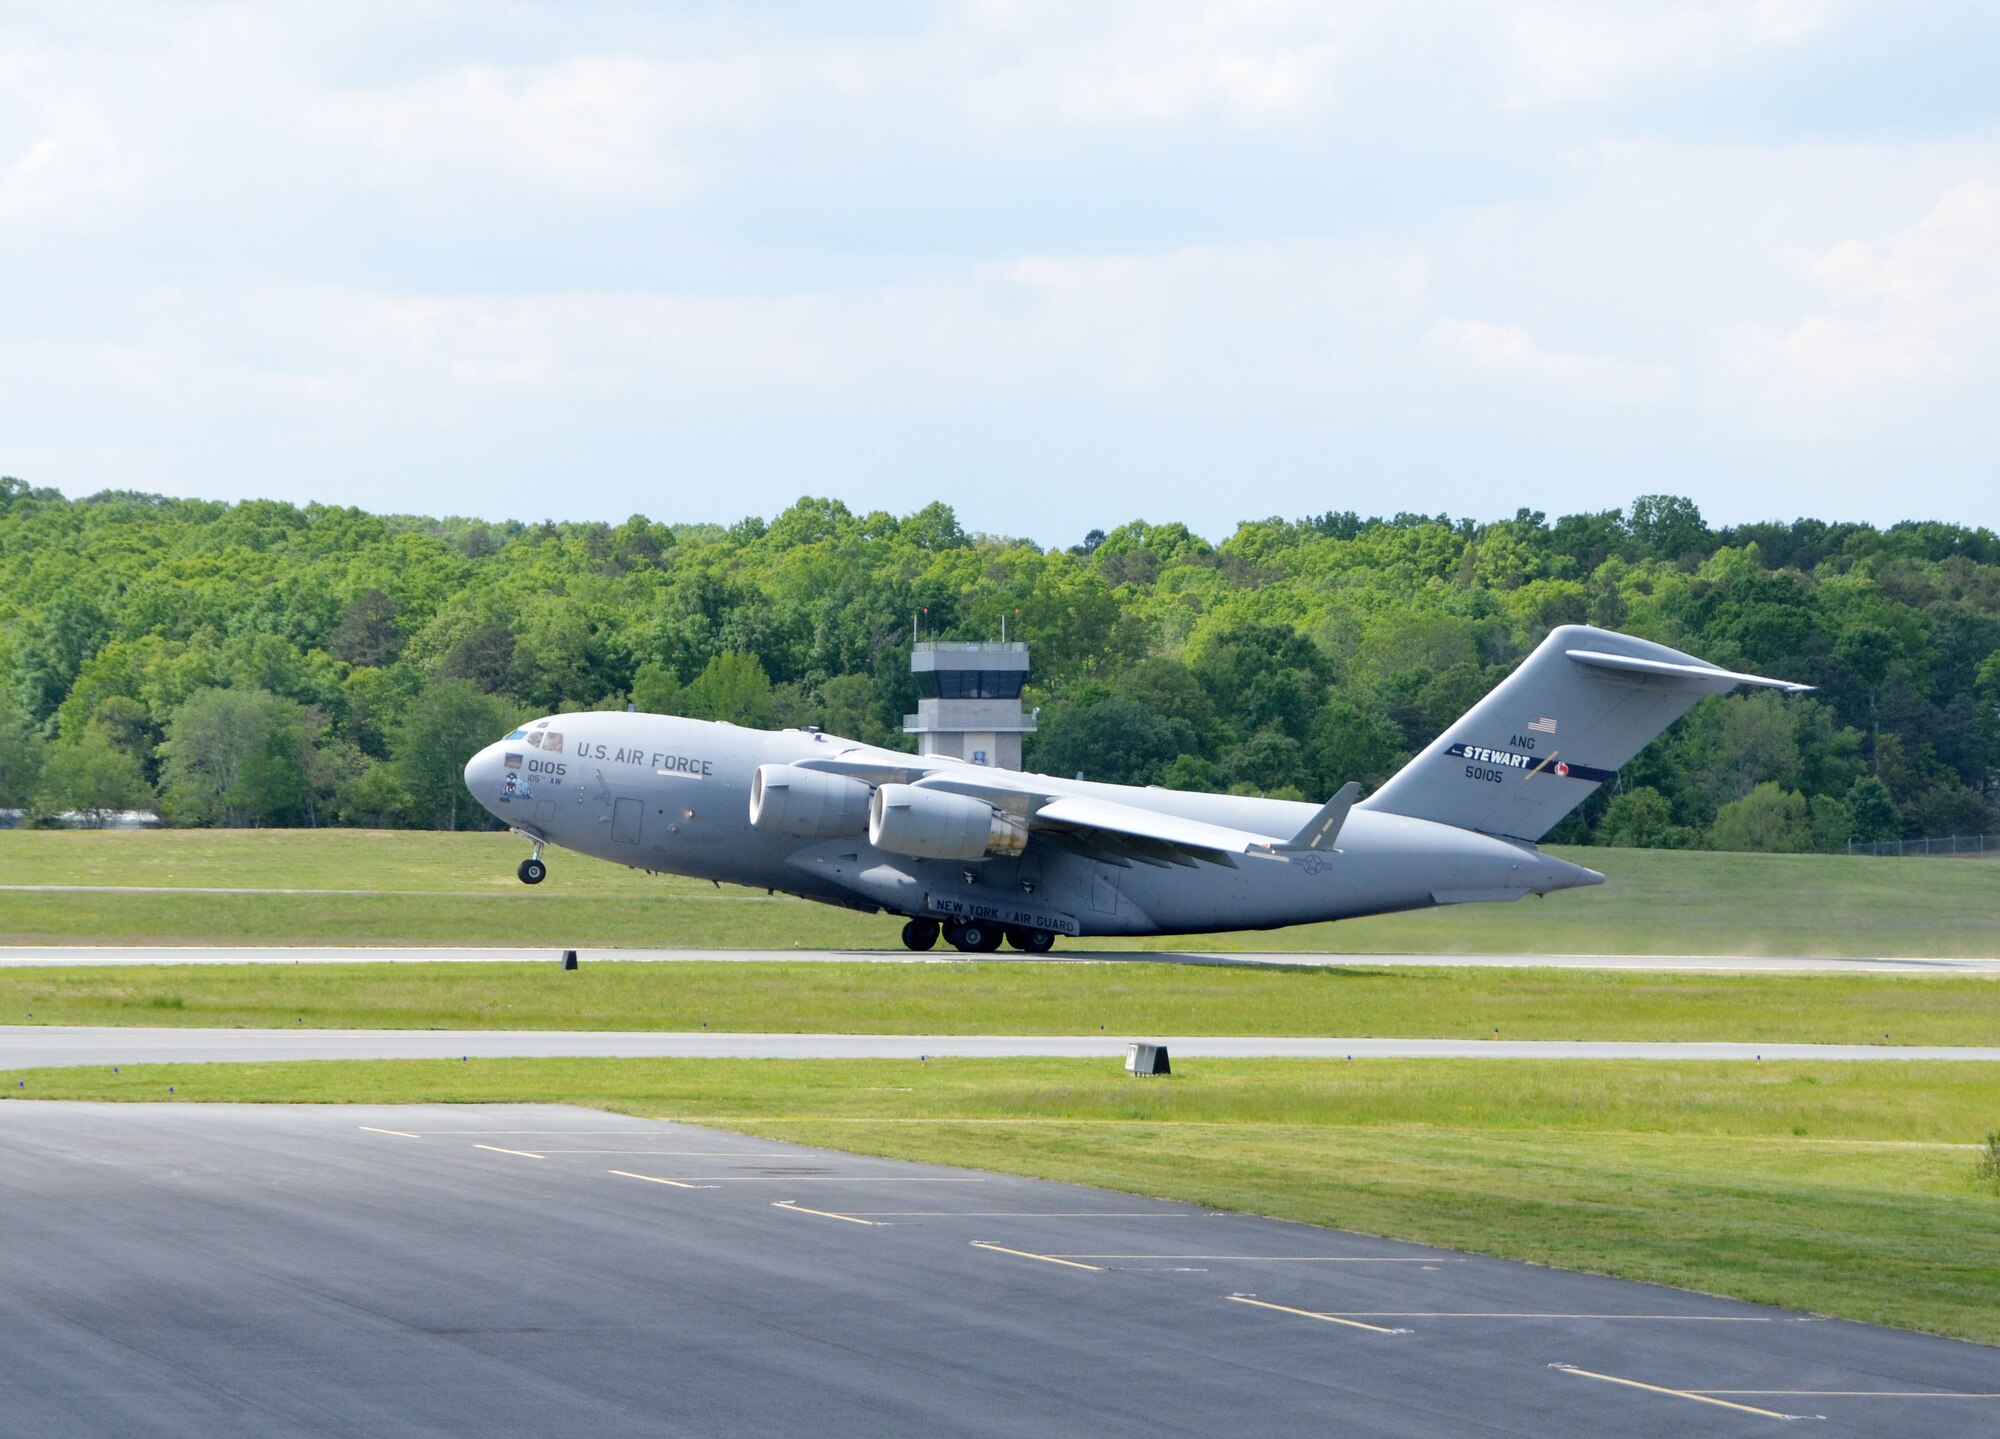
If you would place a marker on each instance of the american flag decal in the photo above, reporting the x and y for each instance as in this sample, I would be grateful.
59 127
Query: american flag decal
1544 725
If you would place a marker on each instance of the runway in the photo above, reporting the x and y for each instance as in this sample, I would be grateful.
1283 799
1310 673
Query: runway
37 955
253 1270
29 1046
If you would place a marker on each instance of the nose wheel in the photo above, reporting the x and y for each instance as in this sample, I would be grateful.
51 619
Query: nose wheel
532 870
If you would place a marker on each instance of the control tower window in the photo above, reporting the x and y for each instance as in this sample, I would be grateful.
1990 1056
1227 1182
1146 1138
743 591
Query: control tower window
971 684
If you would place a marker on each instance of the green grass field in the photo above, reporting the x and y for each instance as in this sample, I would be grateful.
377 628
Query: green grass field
1846 1189
459 889
989 998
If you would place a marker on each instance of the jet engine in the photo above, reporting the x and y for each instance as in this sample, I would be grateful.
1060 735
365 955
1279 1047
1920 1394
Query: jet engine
785 799
935 824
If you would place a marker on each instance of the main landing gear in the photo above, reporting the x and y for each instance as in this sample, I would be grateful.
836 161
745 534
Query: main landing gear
975 936
532 870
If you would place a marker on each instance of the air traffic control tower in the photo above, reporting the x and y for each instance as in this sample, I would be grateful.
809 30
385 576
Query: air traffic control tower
970 705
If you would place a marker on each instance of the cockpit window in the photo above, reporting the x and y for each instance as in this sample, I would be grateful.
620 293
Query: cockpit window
517 734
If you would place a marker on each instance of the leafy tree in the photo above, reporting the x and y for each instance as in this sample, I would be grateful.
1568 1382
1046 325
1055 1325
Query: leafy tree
1669 526
1640 819
1831 823
733 687
1270 762
234 757
447 723
1871 812
20 755
1348 743
1770 818
367 633
657 690
1114 739
91 776
486 658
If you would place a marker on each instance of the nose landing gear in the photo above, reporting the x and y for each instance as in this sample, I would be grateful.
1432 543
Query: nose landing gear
532 870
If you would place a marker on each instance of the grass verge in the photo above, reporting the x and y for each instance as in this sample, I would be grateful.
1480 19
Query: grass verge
459 889
985 998
1845 1189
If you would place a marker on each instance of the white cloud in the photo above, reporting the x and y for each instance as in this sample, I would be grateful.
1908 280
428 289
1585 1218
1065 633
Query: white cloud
1907 319
1509 352
1595 51
1246 62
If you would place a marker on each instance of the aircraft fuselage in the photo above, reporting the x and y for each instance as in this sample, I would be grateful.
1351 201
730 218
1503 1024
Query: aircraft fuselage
672 795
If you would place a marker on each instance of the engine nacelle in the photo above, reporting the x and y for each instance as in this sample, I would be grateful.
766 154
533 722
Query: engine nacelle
785 799
934 824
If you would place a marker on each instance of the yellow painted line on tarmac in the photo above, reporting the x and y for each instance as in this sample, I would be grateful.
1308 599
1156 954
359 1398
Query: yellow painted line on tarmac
822 1213
1311 1314
400 1133
654 1179
1029 1254
498 1150
1675 1393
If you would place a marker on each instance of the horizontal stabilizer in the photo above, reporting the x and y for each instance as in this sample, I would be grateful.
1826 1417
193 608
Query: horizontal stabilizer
1662 669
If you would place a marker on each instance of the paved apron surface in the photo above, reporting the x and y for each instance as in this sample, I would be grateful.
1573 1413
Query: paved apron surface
274 1271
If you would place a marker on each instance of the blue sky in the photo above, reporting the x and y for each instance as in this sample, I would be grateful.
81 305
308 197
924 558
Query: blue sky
1059 265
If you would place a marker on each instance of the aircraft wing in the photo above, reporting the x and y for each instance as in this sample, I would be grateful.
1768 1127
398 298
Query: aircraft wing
1117 833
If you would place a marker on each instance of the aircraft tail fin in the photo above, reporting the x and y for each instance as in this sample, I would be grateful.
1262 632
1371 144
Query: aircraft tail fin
1560 725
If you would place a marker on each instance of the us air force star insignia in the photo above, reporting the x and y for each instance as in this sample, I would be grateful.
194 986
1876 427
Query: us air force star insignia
1311 863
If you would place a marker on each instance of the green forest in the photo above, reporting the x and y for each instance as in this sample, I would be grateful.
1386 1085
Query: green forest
267 664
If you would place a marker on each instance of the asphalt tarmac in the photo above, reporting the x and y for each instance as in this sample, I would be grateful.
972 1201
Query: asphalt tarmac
38 955
514 1270
24 1046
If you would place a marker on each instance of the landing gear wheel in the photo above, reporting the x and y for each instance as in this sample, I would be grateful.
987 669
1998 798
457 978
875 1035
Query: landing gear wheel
920 934
977 938
532 871
1034 941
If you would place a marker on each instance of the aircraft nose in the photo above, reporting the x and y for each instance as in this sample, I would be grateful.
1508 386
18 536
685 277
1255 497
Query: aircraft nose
483 773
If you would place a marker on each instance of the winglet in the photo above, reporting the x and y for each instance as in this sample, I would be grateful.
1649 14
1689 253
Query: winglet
1323 829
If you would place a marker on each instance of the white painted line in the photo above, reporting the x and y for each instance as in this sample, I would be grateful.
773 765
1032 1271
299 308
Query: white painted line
401 1133
1676 1393
1312 1314
498 1150
1274 1258
1846 1393
1648 1318
820 1179
1030 1254
1021 1214
655 1179
679 1153
822 1213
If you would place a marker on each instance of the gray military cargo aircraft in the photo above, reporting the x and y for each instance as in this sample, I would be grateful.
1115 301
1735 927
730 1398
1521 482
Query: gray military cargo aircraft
983 856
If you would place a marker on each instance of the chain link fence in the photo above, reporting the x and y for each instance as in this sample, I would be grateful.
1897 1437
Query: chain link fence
1949 845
